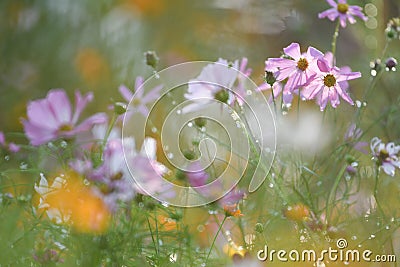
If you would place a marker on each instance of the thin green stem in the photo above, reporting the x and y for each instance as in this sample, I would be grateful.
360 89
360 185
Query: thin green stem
378 204
215 238
334 39
332 193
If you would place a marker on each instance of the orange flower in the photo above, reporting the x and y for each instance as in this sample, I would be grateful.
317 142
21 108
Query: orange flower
91 65
232 210
166 223
69 201
147 7
297 212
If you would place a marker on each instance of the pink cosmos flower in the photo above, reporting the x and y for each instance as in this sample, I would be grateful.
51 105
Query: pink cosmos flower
51 118
299 68
213 83
343 11
140 101
387 156
9 146
328 84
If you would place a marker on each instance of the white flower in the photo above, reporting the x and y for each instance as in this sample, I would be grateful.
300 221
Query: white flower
44 190
387 155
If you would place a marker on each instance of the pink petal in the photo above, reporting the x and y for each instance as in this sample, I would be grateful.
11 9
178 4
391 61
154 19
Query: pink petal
139 86
60 106
125 92
2 139
38 135
13 147
87 124
313 52
152 95
40 114
80 104
323 65
332 3
293 50
331 14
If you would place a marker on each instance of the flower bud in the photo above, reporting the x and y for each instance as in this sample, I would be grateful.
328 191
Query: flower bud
391 64
151 59
120 108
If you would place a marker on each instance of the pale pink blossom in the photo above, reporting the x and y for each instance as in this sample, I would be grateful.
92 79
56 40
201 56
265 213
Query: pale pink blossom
343 11
137 100
386 155
52 117
329 83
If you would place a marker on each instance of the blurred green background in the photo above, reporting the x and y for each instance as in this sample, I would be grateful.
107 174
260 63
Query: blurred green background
97 45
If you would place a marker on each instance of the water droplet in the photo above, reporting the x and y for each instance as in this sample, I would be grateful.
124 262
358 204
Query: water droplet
166 147
212 212
271 185
141 205
63 144
173 102
203 129
86 182
319 183
23 166
165 204
359 245
156 75
354 237
392 219
7 157
248 92
284 112
203 265
372 236
173 257
170 155
160 242
154 129
358 103
373 73
364 104
200 228
178 111
387 227
303 239
190 124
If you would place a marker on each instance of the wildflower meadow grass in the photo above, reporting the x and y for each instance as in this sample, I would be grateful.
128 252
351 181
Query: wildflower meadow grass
285 157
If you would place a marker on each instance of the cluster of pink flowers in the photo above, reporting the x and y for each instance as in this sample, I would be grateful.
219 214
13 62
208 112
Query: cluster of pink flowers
52 118
311 74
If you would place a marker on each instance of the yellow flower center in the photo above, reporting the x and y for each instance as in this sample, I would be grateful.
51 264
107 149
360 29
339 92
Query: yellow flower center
329 80
65 128
302 64
136 102
343 8
383 155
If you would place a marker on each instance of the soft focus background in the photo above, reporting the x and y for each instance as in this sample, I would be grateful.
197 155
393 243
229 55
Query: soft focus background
98 45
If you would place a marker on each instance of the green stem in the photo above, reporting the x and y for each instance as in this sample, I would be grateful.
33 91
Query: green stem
332 193
215 238
334 39
378 204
